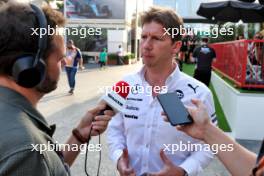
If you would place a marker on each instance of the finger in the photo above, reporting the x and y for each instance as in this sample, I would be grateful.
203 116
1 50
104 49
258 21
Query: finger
260 172
100 123
179 127
103 118
128 171
99 128
191 111
97 109
161 173
164 158
125 153
133 174
183 128
165 118
109 112
261 162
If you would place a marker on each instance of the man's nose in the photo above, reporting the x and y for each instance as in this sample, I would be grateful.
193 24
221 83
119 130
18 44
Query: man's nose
147 44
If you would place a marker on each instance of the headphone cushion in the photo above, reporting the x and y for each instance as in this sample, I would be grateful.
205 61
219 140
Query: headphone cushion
25 74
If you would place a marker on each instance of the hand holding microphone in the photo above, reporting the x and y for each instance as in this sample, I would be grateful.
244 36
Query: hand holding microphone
96 120
116 98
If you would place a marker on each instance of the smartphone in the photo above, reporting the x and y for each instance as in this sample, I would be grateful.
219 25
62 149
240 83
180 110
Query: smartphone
260 161
174 109
261 152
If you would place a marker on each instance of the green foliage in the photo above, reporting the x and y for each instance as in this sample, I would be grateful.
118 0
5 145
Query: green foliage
60 6
240 29
114 56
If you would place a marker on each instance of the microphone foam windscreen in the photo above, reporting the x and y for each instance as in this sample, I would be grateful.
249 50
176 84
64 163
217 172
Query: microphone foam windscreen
122 88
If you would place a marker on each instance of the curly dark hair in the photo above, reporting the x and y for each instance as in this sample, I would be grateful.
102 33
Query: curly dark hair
17 20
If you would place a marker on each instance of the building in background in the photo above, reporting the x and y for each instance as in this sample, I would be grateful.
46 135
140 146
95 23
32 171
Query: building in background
114 18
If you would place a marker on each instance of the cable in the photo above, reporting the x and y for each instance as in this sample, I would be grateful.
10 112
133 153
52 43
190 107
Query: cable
86 153
100 156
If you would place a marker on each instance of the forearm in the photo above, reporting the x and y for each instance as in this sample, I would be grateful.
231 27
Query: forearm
70 156
240 161
75 142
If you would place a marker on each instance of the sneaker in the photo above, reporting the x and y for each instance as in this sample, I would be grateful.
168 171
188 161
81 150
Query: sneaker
71 91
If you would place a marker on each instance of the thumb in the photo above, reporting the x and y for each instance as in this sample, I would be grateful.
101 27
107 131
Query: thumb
164 158
125 153
97 109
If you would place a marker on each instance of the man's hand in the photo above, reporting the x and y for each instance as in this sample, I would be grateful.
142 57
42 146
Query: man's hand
200 118
169 168
98 123
123 165
260 171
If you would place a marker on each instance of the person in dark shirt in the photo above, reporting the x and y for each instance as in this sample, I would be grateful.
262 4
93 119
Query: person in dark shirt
204 56
27 145
184 48
192 44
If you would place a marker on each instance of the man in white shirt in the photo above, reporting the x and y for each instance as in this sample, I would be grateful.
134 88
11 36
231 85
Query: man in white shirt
137 135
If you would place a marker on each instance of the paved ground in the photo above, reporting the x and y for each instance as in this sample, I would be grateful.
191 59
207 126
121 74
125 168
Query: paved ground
66 111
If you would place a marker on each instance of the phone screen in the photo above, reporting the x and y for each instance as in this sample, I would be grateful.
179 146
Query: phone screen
174 109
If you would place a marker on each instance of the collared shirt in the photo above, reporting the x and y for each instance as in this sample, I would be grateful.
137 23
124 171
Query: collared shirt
22 130
142 130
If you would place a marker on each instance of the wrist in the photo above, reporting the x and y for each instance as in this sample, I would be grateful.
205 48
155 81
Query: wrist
78 136
209 132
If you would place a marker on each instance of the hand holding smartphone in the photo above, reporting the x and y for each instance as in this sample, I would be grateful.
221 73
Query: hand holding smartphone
174 109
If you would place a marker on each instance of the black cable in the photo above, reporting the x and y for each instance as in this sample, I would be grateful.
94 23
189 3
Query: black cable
86 154
100 156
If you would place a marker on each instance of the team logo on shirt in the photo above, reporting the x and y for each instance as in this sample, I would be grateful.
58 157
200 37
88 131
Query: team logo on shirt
135 89
130 116
193 88
134 99
180 93
132 108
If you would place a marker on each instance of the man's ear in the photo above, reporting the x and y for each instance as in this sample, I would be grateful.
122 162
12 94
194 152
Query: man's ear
176 47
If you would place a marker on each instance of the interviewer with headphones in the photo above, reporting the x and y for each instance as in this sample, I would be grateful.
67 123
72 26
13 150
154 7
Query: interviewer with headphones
30 68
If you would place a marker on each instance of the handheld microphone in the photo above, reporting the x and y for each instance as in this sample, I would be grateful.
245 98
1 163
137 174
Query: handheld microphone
116 98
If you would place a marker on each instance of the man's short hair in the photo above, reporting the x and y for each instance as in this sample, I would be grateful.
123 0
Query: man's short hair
17 21
166 17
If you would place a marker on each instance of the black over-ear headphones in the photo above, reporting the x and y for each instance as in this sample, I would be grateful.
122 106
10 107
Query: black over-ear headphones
29 69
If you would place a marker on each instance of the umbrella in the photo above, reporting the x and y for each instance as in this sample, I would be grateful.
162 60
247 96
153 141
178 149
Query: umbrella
260 1
232 11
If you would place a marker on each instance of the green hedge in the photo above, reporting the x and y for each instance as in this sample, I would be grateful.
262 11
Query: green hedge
114 56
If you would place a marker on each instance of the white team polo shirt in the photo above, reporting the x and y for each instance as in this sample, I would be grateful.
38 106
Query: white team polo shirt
142 130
